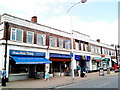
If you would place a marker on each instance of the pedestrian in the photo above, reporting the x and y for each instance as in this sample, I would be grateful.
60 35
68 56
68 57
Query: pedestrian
47 76
82 74
3 76
78 70
115 67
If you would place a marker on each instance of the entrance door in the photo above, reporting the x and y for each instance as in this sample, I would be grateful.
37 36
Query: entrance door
31 71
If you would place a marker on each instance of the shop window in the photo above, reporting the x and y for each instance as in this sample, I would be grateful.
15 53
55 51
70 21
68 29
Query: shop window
16 34
40 67
30 37
17 68
41 39
53 41
67 44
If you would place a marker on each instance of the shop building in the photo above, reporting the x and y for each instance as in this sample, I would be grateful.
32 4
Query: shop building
33 49
30 46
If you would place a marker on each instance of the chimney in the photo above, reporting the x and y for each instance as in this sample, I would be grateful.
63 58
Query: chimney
34 19
112 45
98 40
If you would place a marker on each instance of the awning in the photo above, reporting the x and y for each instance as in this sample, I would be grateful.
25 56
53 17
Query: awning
97 58
106 59
31 60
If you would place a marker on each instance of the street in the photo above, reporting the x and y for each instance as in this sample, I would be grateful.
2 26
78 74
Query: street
108 81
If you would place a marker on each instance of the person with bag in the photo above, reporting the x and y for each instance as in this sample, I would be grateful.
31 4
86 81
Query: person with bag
3 76
47 76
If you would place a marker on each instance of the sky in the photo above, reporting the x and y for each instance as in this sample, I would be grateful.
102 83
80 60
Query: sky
96 18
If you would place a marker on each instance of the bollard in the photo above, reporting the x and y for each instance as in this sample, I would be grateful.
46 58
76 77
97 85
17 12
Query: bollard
108 70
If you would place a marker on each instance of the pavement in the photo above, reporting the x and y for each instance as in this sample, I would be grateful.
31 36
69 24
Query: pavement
54 82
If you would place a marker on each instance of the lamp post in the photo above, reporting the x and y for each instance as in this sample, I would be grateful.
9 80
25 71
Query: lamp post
117 53
72 52
6 39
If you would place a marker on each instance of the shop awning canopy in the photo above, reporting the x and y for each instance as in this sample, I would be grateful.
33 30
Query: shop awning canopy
31 60
97 58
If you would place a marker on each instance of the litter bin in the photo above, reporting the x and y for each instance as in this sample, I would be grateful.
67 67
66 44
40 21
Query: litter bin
101 72
108 70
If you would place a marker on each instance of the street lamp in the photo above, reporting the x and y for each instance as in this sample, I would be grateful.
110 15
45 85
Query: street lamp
72 53
117 53
6 39
82 1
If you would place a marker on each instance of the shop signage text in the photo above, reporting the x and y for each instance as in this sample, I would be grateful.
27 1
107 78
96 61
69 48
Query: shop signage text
26 53
59 56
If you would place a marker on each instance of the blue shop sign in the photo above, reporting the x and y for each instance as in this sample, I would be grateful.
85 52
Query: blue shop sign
88 58
26 53
77 57
59 56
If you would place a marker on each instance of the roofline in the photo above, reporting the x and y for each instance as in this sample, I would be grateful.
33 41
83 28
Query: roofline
35 23
101 43
80 33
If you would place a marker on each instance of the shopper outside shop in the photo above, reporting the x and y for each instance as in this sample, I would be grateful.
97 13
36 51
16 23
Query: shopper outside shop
3 76
78 70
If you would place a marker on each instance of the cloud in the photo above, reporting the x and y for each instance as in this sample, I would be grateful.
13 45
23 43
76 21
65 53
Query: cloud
107 32
102 0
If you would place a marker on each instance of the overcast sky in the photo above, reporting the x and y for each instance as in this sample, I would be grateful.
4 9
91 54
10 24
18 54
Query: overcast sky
96 18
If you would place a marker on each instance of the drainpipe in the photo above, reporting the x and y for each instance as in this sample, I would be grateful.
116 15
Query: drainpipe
6 39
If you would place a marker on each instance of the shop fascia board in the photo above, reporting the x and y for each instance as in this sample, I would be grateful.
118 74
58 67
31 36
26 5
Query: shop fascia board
59 52
24 44
84 52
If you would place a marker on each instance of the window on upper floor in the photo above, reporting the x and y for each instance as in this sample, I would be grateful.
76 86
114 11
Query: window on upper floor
103 51
86 47
92 48
99 50
96 49
67 44
77 45
16 34
53 41
41 39
30 37
109 52
60 43
82 47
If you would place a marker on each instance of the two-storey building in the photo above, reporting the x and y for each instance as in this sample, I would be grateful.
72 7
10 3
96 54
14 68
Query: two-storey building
33 48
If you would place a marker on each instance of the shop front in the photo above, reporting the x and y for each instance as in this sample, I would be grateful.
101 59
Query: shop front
106 60
83 61
96 63
114 60
26 64
106 63
60 64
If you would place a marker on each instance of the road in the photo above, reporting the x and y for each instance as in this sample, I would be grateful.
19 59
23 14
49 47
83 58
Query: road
108 81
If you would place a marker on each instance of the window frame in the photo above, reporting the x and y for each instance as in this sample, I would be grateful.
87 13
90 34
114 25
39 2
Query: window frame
43 43
16 34
60 45
32 37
